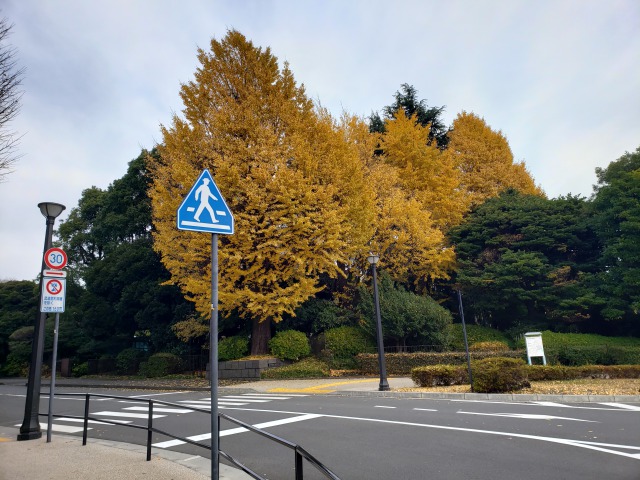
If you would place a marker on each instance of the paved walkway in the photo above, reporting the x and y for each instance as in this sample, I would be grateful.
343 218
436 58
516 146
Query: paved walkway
65 458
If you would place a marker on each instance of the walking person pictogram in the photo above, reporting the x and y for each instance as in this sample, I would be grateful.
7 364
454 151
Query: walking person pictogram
203 193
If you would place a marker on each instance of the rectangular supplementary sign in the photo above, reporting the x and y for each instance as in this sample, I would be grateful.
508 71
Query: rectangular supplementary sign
52 297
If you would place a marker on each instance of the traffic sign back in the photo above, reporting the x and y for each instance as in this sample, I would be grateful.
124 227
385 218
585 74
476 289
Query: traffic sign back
204 209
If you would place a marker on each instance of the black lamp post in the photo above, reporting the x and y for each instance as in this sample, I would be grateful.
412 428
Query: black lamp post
384 385
30 428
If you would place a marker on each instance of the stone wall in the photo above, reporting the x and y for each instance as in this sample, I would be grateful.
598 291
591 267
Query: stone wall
246 368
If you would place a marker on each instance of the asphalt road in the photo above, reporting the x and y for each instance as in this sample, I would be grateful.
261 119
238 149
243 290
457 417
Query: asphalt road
380 438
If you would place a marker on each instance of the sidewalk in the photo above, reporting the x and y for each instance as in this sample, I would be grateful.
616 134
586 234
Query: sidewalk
65 458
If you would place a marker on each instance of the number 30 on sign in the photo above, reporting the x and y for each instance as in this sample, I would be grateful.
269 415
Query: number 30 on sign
55 258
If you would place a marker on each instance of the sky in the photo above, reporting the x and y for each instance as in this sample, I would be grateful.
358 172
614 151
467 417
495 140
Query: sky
559 78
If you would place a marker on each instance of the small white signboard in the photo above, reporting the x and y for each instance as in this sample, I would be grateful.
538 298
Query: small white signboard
53 295
533 341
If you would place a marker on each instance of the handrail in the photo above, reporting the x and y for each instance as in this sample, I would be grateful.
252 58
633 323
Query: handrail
300 452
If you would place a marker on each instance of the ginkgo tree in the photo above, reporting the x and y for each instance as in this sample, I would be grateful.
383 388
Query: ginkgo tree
485 160
287 172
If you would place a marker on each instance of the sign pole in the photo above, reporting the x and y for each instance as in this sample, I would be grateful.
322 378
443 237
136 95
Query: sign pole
213 361
466 343
52 387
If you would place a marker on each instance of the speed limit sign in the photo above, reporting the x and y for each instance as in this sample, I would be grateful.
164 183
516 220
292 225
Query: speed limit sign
55 258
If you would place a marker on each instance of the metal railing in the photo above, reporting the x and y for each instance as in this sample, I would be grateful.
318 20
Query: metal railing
300 453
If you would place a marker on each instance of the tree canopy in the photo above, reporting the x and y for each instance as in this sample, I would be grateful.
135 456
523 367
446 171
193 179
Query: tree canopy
616 209
485 161
523 259
108 240
287 174
10 95
406 100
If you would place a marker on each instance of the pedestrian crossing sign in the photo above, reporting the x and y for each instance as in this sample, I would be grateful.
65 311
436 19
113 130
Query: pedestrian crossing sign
204 209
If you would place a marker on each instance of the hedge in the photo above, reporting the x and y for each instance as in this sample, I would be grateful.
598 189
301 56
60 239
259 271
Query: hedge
559 372
438 375
575 355
403 363
306 368
160 365
435 375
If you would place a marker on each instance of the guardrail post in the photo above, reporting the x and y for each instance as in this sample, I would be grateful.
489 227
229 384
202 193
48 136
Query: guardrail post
86 419
299 473
149 430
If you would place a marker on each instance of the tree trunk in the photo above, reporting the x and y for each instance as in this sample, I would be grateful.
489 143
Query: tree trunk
260 336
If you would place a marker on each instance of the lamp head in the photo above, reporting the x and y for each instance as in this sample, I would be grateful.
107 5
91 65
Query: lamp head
50 209
373 258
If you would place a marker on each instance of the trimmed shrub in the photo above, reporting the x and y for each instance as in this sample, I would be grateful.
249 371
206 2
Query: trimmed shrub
160 365
436 375
306 368
128 361
403 363
499 375
492 346
290 345
232 348
80 370
344 342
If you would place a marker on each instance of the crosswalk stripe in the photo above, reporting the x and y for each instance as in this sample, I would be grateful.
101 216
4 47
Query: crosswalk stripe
160 410
270 397
245 399
271 394
233 431
60 428
80 420
126 415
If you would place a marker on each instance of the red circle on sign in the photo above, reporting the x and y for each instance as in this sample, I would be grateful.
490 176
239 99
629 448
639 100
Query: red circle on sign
54 287
55 258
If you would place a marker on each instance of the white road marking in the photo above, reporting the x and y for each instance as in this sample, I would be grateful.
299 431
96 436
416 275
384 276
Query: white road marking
80 420
623 406
60 428
382 406
262 397
564 441
243 399
233 431
271 394
158 394
160 410
426 409
529 416
554 404
125 414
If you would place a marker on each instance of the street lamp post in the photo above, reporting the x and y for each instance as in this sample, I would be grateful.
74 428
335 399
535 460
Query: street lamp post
384 385
30 429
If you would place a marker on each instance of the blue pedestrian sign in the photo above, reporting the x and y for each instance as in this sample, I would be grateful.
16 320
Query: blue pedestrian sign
204 209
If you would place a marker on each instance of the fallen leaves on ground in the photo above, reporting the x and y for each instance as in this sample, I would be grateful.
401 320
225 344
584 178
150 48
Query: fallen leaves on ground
583 386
